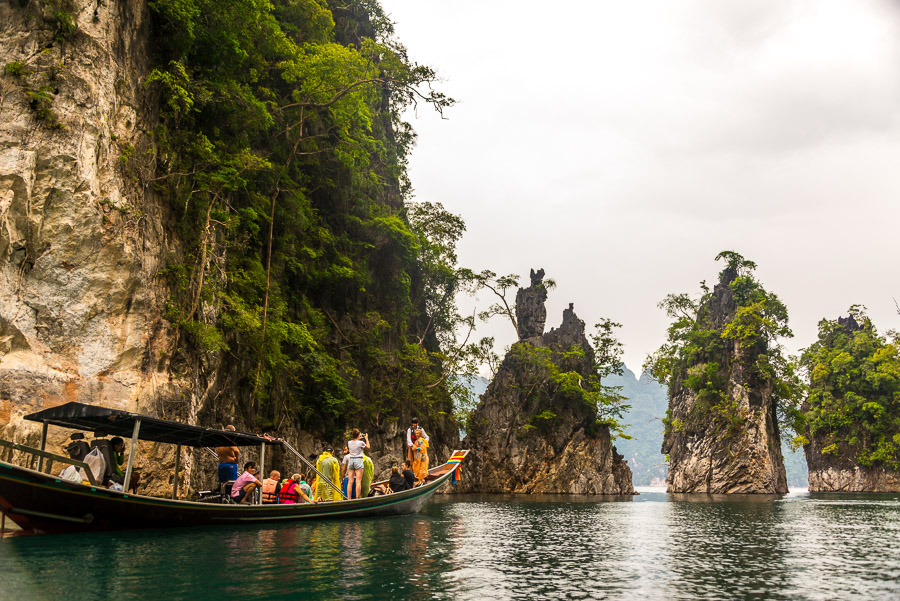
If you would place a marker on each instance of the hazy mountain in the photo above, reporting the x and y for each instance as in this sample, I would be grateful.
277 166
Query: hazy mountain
648 400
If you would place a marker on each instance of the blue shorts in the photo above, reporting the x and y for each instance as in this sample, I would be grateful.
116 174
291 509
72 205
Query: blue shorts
228 471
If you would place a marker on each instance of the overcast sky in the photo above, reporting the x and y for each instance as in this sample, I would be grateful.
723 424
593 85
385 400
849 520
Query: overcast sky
622 145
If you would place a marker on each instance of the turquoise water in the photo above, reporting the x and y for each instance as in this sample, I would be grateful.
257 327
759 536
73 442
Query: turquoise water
656 546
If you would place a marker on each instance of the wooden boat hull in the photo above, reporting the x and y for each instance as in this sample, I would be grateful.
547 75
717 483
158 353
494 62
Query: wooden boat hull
42 503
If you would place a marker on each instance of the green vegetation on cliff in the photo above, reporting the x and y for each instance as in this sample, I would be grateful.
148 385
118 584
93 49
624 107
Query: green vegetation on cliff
853 407
574 377
283 154
696 354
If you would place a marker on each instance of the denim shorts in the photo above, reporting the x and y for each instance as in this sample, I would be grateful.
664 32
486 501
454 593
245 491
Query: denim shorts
355 463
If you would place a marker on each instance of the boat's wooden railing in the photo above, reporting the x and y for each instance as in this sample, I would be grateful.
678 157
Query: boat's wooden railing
14 446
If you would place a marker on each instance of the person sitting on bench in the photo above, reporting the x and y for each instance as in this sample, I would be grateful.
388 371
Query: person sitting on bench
117 452
241 491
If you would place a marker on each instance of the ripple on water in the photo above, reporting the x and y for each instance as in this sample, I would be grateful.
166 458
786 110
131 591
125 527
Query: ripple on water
476 548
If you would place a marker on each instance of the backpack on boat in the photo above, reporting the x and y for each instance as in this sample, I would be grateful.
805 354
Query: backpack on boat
78 448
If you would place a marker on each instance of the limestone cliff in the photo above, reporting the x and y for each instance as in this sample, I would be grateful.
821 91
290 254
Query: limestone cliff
727 440
88 230
529 434
850 428
839 473
81 236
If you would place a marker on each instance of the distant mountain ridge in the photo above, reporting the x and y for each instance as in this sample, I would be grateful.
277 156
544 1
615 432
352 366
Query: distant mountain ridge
649 401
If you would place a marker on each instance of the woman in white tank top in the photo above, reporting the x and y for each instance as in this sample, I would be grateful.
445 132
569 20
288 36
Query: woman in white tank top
356 446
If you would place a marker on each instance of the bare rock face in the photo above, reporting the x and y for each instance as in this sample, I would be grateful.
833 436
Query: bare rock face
529 436
531 314
82 236
831 473
736 449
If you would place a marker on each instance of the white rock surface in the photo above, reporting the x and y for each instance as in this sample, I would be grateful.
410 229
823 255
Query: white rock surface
82 238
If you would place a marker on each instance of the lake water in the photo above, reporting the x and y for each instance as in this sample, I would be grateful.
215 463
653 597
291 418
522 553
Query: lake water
656 546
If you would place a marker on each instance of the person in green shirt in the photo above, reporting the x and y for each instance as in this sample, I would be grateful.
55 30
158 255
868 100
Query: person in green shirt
117 450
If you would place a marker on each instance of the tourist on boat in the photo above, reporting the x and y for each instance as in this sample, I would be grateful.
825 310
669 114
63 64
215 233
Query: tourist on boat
228 461
117 450
349 486
358 443
406 470
306 488
368 474
420 456
412 436
243 487
344 462
291 493
328 467
269 487
397 482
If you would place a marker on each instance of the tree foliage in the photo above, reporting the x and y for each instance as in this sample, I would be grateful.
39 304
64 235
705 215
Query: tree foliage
853 406
282 150
565 376
700 345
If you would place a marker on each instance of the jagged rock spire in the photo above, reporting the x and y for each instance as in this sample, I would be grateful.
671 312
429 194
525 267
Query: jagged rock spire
531 314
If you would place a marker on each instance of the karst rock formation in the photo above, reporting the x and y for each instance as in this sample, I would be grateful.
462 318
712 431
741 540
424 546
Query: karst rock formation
81 240
711 453
527 436
840 472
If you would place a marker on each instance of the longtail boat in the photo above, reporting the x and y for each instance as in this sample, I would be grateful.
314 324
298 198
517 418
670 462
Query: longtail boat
41 502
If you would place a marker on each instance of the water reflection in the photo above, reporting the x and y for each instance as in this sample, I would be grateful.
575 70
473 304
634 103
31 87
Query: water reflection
742 535
480 548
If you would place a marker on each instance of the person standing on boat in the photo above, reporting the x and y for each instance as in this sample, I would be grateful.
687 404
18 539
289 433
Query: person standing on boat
330 469
420 456
357 444
345 484
228 461
368 474
243 487
411 438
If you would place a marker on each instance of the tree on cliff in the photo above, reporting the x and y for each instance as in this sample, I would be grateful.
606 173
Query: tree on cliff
283 153
698 340
853 407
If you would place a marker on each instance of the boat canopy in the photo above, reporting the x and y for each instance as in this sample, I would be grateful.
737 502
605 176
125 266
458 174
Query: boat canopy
115 422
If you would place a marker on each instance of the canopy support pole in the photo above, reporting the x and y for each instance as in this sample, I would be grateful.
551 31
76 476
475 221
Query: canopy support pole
43 446
134 440
262 466
177 465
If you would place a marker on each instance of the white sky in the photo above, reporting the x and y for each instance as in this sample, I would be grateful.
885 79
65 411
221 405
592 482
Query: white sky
621 145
